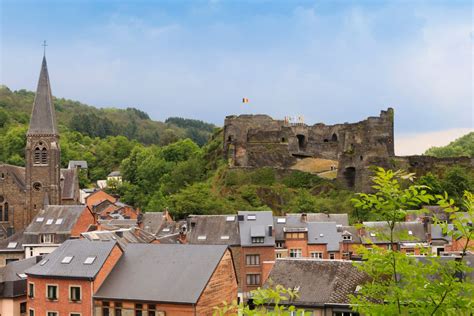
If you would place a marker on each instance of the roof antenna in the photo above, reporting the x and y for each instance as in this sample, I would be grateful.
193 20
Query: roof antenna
44 48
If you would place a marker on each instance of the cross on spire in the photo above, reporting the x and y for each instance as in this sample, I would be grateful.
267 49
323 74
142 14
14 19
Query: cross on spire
44 47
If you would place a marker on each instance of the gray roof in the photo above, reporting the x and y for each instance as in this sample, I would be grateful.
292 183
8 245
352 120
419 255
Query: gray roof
11 283
319 281
350 230
46 221
114 174
247 227
437 232
381 231
324 233
17 240
17 174
162 273
80 249
123 236
152 222
77 164
69 183
217 229
340 219
291 223
43 118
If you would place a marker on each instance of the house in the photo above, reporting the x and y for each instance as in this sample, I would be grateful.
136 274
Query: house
340 219
217 230
123 236
64 282
13 287
54 225
258 245
152 222
409 237
350 242
11 249
159 279
323 286
97 197
324 241
79 164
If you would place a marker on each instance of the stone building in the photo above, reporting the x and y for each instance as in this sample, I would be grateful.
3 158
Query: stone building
341 151
24 191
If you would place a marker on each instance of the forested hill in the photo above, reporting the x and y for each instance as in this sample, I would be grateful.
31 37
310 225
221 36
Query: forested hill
463 146
15 107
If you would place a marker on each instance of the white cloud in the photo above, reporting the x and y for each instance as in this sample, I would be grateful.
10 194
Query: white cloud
418 143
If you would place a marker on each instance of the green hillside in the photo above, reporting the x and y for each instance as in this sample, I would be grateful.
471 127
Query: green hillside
463 146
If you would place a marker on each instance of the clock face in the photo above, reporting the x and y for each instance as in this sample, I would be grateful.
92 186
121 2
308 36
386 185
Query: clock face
37 186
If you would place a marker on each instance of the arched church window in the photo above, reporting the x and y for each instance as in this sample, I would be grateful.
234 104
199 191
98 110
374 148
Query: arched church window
37 156
40 155
44 156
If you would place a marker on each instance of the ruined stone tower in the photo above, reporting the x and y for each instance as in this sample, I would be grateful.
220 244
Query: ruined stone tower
42 181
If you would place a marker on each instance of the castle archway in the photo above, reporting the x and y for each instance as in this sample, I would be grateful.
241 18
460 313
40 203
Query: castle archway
350 176
301 142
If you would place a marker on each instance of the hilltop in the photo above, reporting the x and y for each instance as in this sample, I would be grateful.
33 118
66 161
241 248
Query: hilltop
463 146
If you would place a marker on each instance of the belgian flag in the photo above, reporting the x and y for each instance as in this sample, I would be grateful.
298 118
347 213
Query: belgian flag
245 100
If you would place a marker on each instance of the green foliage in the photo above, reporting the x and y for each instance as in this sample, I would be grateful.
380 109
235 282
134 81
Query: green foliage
402 285
274 300
463 146
299 179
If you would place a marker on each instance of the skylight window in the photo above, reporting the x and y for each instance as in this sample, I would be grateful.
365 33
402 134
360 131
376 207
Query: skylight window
12 245
49 221
410 232
59 221
202 237
89 260
281 220
225 237
230 218
22 275
67 259
251 217
321 235
40 219
166 229
42 263
372 235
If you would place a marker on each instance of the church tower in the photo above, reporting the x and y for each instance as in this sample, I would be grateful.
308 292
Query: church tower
43 168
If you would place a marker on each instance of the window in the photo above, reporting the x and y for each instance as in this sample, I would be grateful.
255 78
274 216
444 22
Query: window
31 290
225 237
59 221
230 218
74 314
23 308
410 252
105 309
42 263
75 293
89 260
138 309
151 310
278 255
12 245
332 256
345 314
22 275
295 253
294 235
253 279
202 237
40 219
44 156
52 292
118 309
347 237
32 312
258 240
49 221
252 260
7 261
316 255
47 238
251 217
279 244
281 220
52 313
67 259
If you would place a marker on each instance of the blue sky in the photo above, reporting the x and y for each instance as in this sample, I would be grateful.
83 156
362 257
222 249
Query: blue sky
329 61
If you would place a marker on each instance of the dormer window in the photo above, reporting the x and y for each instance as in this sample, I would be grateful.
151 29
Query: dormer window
347 237
47 238
258 240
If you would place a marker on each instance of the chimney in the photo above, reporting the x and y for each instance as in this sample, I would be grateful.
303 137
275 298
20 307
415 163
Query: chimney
304 217
270 230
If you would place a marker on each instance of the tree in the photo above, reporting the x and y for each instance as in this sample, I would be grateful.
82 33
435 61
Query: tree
403 285
265 301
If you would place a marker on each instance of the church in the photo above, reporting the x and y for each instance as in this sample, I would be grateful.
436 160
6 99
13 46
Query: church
26 190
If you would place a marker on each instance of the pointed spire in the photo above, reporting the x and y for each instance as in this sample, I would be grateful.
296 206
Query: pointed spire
43 118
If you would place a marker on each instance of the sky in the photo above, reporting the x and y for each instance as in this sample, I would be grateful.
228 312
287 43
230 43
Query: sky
328 61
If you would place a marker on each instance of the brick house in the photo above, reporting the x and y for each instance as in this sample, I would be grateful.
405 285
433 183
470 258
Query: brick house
13 287
54 225
258 245
163 279
64 281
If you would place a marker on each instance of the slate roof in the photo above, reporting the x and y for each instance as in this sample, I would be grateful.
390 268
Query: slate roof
353 231
162 273
152 222
263 220
114 174
340 219
68 183
382 231
11 283
437 232
123 236
17 173
217 229
68 213
80 249
324 233
320 281
118 223
77 164
16 240
43 118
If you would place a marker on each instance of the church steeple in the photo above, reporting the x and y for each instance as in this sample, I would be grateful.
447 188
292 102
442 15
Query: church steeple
43 118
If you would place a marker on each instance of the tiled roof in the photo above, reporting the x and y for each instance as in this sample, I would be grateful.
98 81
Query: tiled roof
79 249
319 281
162 273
